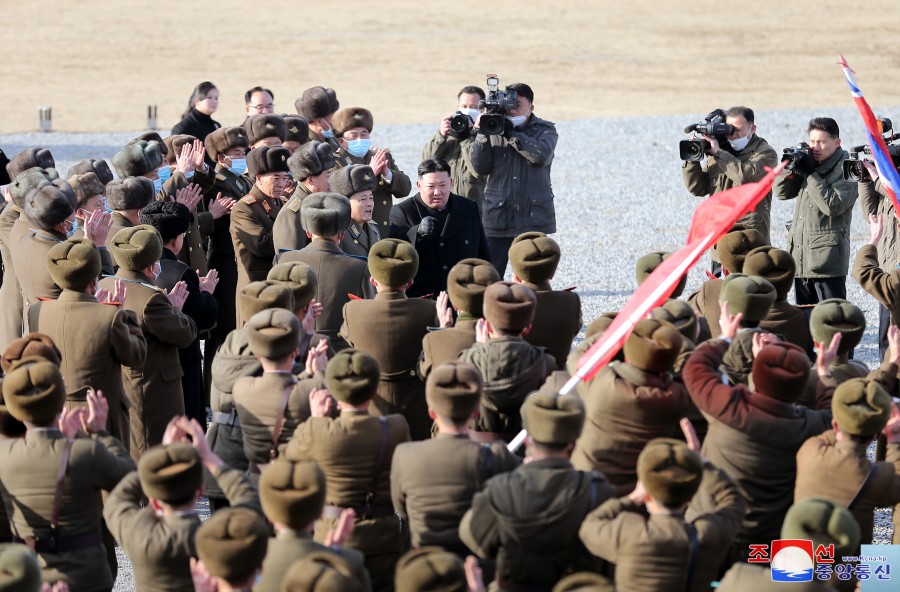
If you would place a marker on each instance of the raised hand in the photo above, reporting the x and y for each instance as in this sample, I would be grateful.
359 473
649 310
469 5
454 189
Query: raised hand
482 331
221 206
876 229
209 281
317 358
474 576
313 311
199 155
178 295
184 162
727 323
70 422
98 410
826 355
96 227
444 312
320 403
379 162
760 340
189 196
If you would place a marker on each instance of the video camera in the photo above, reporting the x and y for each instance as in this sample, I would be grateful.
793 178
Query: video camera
497 103
713 125
853 167
794 155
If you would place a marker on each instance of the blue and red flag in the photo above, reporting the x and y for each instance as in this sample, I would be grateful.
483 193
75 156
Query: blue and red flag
890 178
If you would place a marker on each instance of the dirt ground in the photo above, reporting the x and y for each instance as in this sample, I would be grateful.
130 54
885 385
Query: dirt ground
99 63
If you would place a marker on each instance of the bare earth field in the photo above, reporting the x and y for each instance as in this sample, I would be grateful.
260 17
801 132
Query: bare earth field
99 63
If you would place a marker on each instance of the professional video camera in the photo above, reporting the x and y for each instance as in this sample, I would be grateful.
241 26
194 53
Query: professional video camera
497 103
853 167
795 155
713 125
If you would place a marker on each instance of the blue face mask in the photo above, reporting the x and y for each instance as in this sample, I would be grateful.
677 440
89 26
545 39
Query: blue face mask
327 133
164 173
238 166
359 148
189 174
157 185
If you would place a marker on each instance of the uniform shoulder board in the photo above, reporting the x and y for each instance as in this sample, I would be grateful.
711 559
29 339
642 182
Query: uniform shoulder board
249 199
294 205
433 329
354 296
152 287
572 289
426 296
44 299
110 303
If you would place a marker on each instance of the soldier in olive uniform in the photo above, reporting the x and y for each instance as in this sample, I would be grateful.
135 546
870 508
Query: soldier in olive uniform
265 129
390 328
154 388
126 198
296 132
292 496
321 572
352 127
431 568
752 297
829 318
660 549
433 509
356 182
90 197
528 519
96 338
231 546
355 451
325 217
160 542
318 105
534 257
52 480
311 166
253 217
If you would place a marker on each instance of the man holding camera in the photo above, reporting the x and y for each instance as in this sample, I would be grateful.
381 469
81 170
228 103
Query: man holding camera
819 235
453 142
518 196
743 161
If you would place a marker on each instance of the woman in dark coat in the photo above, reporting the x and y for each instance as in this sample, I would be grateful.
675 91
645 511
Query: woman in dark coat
197 120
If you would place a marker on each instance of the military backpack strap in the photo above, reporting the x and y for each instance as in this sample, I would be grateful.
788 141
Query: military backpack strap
862 488
60 477
279 421
379 462
692 559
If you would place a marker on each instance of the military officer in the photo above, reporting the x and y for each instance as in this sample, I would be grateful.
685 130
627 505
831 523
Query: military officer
311 166
231 546
253 217
832 317
534 257
98 166
752 297
96 339
154 388
352 127
296 132
541 504
265 129
355 452
356 182
318 105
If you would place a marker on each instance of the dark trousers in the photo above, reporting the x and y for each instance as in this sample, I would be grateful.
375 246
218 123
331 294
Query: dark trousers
815 290
499 247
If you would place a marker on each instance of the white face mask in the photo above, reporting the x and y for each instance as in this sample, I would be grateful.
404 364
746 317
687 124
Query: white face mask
517 120
740 143
472 113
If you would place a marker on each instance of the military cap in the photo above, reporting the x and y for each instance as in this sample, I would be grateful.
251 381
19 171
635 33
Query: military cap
429 569
49 203
584 581
29 158
648 263
780 371
325 214
393 262
131 193
534 257
92 165
74 263
232 544
174 144
352 376
653 346
825 522
297 129
453 390
172 473
553 419
734 246
775 265
509 307
352 179
169 218
320 571
224 139
680 315
265 125
311 159
33 390
138 158
670 471
292 493
266 160
836 315
259 296
351 117
29 180
136 248
85 187
152 137
274 333
28 346
749 295
594 331
467 282
19 569
600 324
299 278
317 102
861 407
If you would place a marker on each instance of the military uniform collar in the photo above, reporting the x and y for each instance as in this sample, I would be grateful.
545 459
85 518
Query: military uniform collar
43 434
124 221
320 244
355 412
390 295
548 463
465 322
52 235
542 287
446 436
73 296
256 192
131 276
288 534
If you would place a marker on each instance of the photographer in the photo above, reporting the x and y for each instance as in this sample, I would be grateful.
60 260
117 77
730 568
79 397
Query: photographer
518 196
819 235
745 162
456 146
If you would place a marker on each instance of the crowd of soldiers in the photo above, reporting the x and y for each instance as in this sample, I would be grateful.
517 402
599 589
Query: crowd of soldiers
350 429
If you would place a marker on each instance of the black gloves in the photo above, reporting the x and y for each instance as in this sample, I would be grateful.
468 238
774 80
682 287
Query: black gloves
426 226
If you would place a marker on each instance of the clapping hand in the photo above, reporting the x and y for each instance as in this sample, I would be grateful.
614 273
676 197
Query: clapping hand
379 162
320 403
96 227
209 281
178 295
728 323
444 312
189 196
221 206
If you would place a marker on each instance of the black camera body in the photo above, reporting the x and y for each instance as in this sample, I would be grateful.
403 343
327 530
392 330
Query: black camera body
853 168
496 104
712 125
794 155
460 125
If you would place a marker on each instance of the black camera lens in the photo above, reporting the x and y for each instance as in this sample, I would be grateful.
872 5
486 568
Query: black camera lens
492 124
692 150
460 123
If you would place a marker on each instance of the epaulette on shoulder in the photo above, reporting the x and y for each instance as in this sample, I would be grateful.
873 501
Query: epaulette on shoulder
110 303
294 205
572 289
249 199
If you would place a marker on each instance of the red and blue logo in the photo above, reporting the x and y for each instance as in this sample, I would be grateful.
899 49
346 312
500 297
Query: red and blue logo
792 560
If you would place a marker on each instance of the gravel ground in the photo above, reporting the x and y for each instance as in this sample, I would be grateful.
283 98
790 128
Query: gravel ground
619 192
